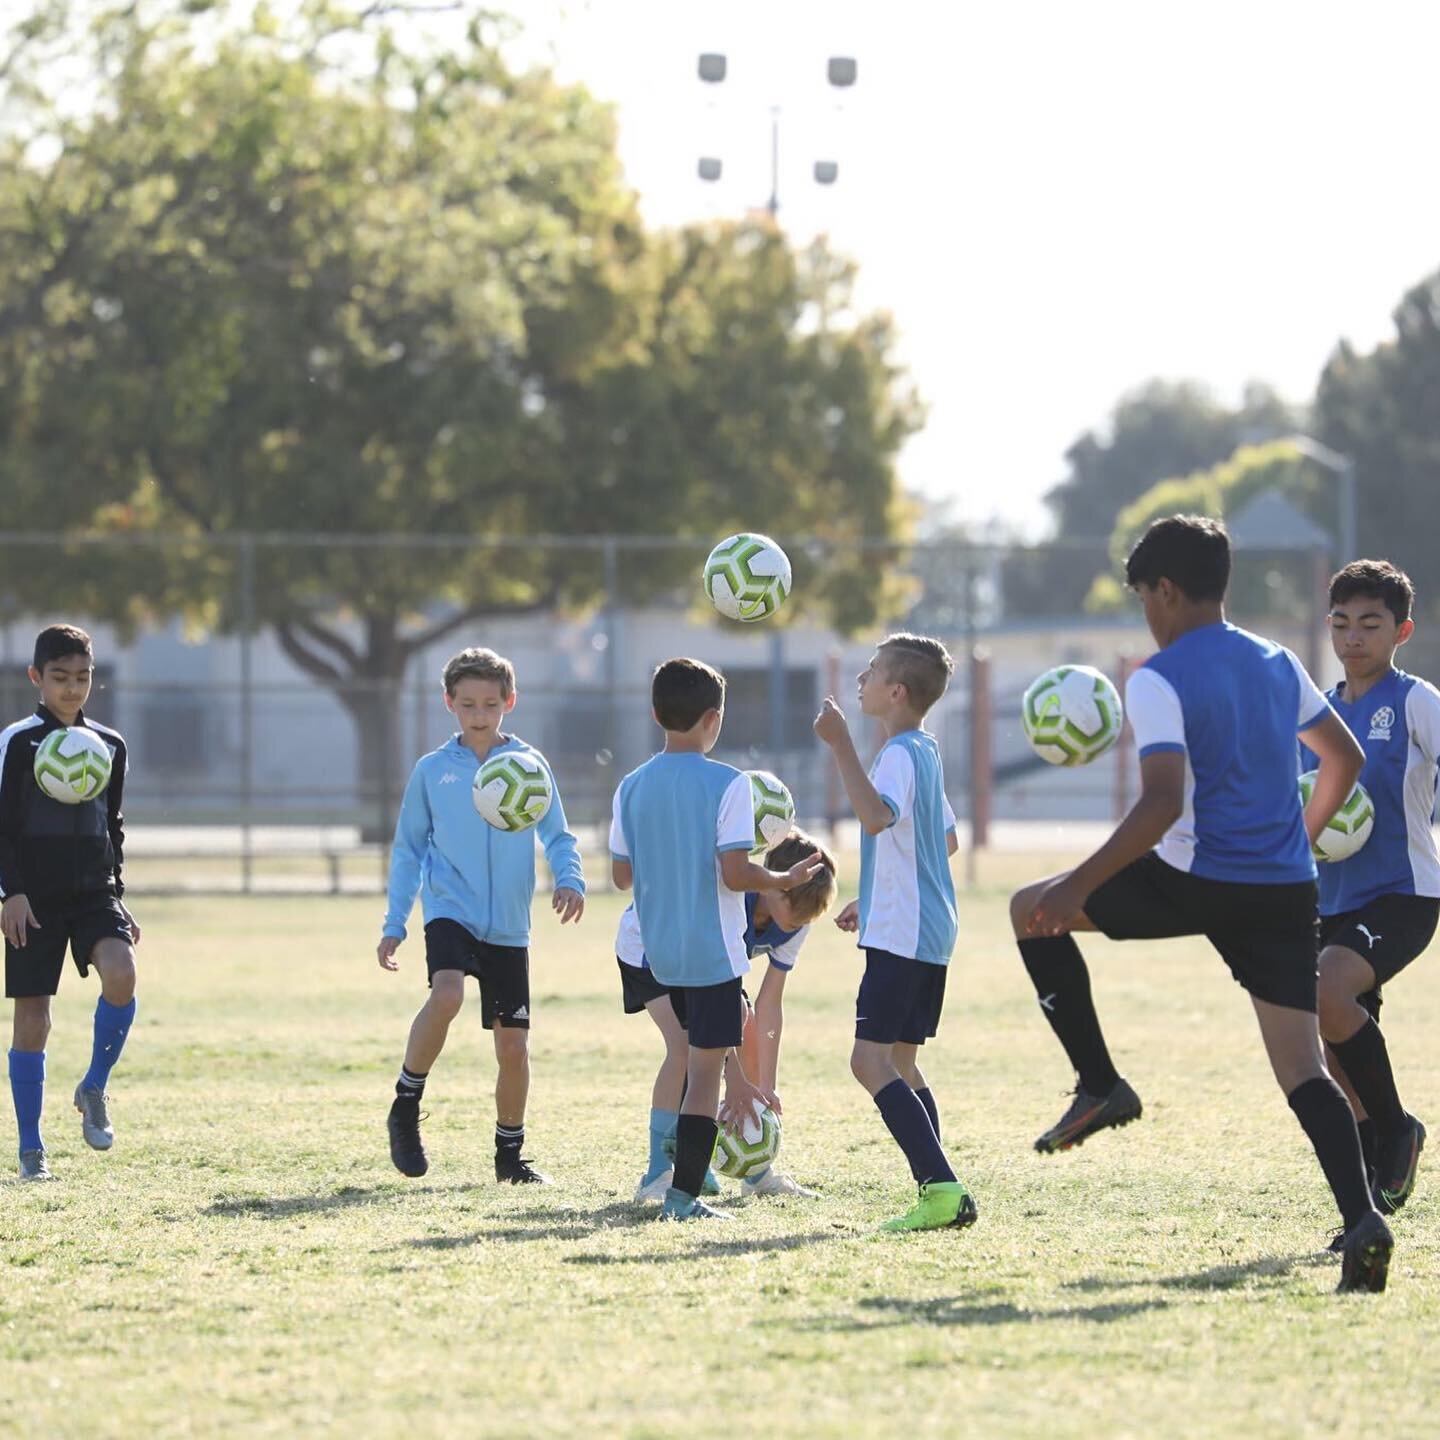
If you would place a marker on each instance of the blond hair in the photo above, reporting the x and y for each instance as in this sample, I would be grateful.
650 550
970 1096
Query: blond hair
812 899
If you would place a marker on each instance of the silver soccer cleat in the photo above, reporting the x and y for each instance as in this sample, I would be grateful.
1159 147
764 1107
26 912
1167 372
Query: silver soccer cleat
772 1182
33 1166
94 1117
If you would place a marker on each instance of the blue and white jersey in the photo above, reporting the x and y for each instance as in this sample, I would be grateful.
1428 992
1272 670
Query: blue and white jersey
907 898
464 868
1232 704
672 819
782 946
1397 722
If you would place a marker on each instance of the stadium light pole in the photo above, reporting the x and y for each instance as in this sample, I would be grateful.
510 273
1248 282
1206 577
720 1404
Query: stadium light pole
1343 468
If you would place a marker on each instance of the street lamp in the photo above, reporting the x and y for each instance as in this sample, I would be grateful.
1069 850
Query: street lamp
1343 468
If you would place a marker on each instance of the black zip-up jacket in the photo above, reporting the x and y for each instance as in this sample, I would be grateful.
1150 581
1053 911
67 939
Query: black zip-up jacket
49 849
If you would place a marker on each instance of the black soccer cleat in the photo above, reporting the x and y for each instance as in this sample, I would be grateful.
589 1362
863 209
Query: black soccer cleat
517 1170
1087 1115
1397 1160
1365 1256
406 1147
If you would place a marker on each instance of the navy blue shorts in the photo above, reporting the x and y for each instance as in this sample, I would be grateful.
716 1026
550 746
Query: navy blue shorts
638 986
713 1015
900 999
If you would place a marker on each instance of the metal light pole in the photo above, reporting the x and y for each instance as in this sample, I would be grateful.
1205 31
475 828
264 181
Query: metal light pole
1343 468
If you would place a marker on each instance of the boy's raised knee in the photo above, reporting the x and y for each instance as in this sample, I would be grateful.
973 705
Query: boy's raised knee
447 993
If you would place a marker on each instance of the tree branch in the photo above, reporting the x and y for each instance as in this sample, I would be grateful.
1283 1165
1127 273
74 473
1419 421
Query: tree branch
312 664
331 640
423 639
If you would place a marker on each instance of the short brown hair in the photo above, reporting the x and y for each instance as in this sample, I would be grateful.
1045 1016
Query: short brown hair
1378 580
55 642
812 899
683 690
922 665
476 663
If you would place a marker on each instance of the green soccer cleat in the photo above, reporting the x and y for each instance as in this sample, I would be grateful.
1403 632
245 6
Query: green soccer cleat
943 1204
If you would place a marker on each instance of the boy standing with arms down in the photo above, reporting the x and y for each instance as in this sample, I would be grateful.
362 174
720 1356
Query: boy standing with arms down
905 915
60 878
1379 908
681 835
476 885
1217 845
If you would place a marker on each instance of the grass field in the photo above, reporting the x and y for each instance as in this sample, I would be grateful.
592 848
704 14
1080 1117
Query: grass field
246 1261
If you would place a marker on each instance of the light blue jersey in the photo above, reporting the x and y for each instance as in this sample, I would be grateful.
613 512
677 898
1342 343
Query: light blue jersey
1232 704
907 898
464 868
1397 722
782 946
672 818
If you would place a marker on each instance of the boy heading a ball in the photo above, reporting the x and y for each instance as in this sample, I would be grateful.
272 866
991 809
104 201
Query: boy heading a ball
905 915
476 884
1217 845
60 878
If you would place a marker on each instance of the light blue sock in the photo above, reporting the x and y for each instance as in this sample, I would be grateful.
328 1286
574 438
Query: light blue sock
678 1203
27 1085
662 1128
112 1025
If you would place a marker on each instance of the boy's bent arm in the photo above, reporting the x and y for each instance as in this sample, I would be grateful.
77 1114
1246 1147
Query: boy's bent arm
114 815
1341 761
412 839
740 873
562 850
622 873
870 808
11 775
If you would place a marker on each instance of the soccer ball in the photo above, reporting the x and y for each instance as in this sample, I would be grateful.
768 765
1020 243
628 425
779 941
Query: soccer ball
513 791
72 765
757 1144
747 577
1071 714
1349 827
774 809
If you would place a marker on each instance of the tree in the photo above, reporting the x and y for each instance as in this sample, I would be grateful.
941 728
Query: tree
249 291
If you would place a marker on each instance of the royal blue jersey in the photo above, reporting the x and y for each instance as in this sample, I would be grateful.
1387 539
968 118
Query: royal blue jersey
1397 722
1232 704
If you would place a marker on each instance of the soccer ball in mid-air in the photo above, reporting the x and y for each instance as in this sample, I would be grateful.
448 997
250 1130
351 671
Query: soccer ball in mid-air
774 809
749 1152
1071 714
513 791
1349 827
72 765
747 577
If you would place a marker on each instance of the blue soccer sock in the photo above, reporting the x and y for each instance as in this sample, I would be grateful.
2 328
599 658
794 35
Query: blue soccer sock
662 1128
112 1025
27 1085
905 1118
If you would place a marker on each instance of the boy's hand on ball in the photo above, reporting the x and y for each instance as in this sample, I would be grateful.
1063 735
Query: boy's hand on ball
568 905
848 919
385 952
743 1101
830 723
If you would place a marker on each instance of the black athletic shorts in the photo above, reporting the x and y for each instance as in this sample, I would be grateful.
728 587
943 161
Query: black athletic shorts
502 970
1267 934
638 986
1388 933
713 1015
79 922
899 1000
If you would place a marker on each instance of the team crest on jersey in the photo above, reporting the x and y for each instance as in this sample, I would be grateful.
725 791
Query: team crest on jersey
1381 722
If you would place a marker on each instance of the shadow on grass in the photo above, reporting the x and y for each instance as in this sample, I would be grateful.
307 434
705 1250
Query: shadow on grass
345 1197
888 1311
707 1251
1214 1277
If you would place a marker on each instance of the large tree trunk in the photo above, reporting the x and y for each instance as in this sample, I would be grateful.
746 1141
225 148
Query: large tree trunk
374 709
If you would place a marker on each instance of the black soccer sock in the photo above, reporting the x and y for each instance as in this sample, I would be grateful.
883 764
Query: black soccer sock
1366 1063
1057 970
1369 1144
927 1099
905 1118
1324 1114
509 1139
410 1086
694 1145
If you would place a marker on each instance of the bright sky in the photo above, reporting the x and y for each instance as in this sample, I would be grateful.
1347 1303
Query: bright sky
1057 201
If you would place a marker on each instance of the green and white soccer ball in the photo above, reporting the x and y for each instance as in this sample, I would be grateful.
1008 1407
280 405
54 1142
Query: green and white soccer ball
72 765
746 1154
1071 714
747 577
513 791
774 809
1349 827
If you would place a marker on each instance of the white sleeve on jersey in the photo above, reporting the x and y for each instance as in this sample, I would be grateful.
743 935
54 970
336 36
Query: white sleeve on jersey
783 957
1313 703
950 821
1422 716
1153 708
618 847
735 825
894 780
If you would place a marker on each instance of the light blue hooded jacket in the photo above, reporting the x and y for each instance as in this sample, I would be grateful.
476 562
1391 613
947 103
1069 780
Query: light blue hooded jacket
465 869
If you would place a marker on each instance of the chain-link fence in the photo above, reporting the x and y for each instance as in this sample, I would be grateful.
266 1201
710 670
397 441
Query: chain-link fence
275 690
